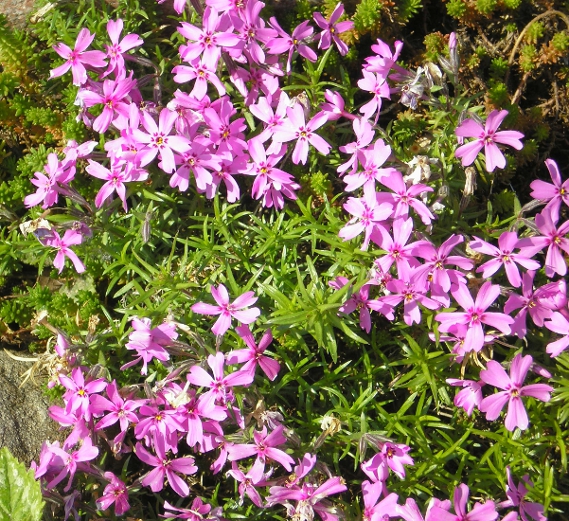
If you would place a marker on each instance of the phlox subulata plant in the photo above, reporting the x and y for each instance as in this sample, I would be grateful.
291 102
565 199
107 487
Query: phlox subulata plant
216 418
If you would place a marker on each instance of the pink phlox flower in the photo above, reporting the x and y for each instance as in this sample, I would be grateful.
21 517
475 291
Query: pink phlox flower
247 483
73 419
371 159
296 128
411 291
226 135
268 178
435 260
201 71
378 86
188 111
119 409
198 511
480 511
254 80
252 30
555 193
516 498
558 323
456 335
47 186
309 498
334 105
410 511
358 301
62 244
226 310
391 456
486 138
469 397
78 59
149 343
193 411
332 28
368 213
158 140
504 256
159 424
555 240
220 384
405 197
214 35
113 98
120 172
114 493
385 59
229 166
364 136
374 510
396 247
264 447
513 391
116 50
291 44
178 5
73 461
539 303
165 468
254 356
77 395
475 314
273 119
200 161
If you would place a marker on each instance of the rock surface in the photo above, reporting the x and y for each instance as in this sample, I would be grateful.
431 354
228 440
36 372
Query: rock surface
24 419
17 11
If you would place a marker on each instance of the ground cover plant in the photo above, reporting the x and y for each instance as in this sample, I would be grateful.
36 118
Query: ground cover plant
285 268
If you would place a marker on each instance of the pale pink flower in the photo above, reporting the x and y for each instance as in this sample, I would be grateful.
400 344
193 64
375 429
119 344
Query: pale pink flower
486 138
470 396
558 323
61 244
480 511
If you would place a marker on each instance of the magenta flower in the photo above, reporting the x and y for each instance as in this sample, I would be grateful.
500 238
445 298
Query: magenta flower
220 384
516 495
86 452
558 323
247 484
292 44
486 138
78 392
378 86
113 101
297 128
553 238
332 28
203 72
513 391
116 50
553 193
480 512
165 468
119 409
364 136
254 356
78 58
374 511
197 512
475 315
227 311
115 493
47 186
392 456
149 342
504 255
470 396
120 173
264 448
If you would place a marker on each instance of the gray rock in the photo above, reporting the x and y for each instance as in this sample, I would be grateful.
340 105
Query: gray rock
24 419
